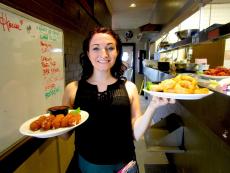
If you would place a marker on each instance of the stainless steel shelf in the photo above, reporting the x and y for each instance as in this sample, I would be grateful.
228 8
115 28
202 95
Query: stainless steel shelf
207 35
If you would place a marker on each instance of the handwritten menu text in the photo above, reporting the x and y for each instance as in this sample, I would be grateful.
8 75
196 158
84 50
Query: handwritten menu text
7 24
51 70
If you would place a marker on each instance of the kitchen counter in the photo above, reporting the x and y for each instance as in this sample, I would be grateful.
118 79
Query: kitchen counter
155 75
213 111
206 136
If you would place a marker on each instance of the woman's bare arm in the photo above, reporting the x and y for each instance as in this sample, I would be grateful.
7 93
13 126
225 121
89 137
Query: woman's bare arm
141 121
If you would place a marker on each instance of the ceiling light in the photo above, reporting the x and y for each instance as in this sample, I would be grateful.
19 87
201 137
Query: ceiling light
133 5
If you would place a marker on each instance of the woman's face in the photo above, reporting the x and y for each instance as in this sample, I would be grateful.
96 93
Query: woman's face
102 51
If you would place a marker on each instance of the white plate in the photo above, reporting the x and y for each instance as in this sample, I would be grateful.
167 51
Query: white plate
213 77
25 128
178 96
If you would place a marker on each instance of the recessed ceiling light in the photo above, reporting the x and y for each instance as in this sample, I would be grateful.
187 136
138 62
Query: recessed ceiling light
133 5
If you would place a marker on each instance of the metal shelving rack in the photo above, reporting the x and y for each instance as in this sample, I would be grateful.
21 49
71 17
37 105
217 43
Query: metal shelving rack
205 36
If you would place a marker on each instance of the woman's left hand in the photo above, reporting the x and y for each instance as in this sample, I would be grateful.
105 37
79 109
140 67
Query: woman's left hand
160 101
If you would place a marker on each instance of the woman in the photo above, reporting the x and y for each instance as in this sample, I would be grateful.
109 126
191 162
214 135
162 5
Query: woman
104 143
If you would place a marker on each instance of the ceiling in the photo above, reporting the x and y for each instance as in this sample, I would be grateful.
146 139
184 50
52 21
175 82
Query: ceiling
165 12
146 11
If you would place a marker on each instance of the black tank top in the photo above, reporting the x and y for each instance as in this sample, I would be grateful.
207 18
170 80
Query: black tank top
107 136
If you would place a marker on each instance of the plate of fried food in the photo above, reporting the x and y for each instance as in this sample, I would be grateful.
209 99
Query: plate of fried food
217 73
182 87
206 76
48 125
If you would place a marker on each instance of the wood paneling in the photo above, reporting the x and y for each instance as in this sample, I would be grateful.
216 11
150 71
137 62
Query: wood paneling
214 52
16 155
102 13
63 15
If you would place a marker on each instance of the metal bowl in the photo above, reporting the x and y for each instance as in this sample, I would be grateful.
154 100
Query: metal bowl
164 45
191 67
186 33
180 66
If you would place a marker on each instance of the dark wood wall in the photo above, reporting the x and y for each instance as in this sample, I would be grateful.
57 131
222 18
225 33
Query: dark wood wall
213 51
75 15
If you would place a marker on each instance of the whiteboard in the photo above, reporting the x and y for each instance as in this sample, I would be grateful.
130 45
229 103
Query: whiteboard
31 69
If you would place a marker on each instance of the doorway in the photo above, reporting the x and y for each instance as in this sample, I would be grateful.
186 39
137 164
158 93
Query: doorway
142 56
128 58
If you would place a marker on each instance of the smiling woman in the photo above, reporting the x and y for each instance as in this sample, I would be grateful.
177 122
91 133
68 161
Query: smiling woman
102 54
102 92
104 143
85 61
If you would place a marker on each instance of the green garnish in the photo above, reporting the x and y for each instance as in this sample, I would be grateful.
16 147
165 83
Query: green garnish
76 111
148 85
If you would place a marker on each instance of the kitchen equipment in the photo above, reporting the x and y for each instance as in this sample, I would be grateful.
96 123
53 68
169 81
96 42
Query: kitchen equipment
212 27
186 33
191 67
163 66
180 66
202 67
164 45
